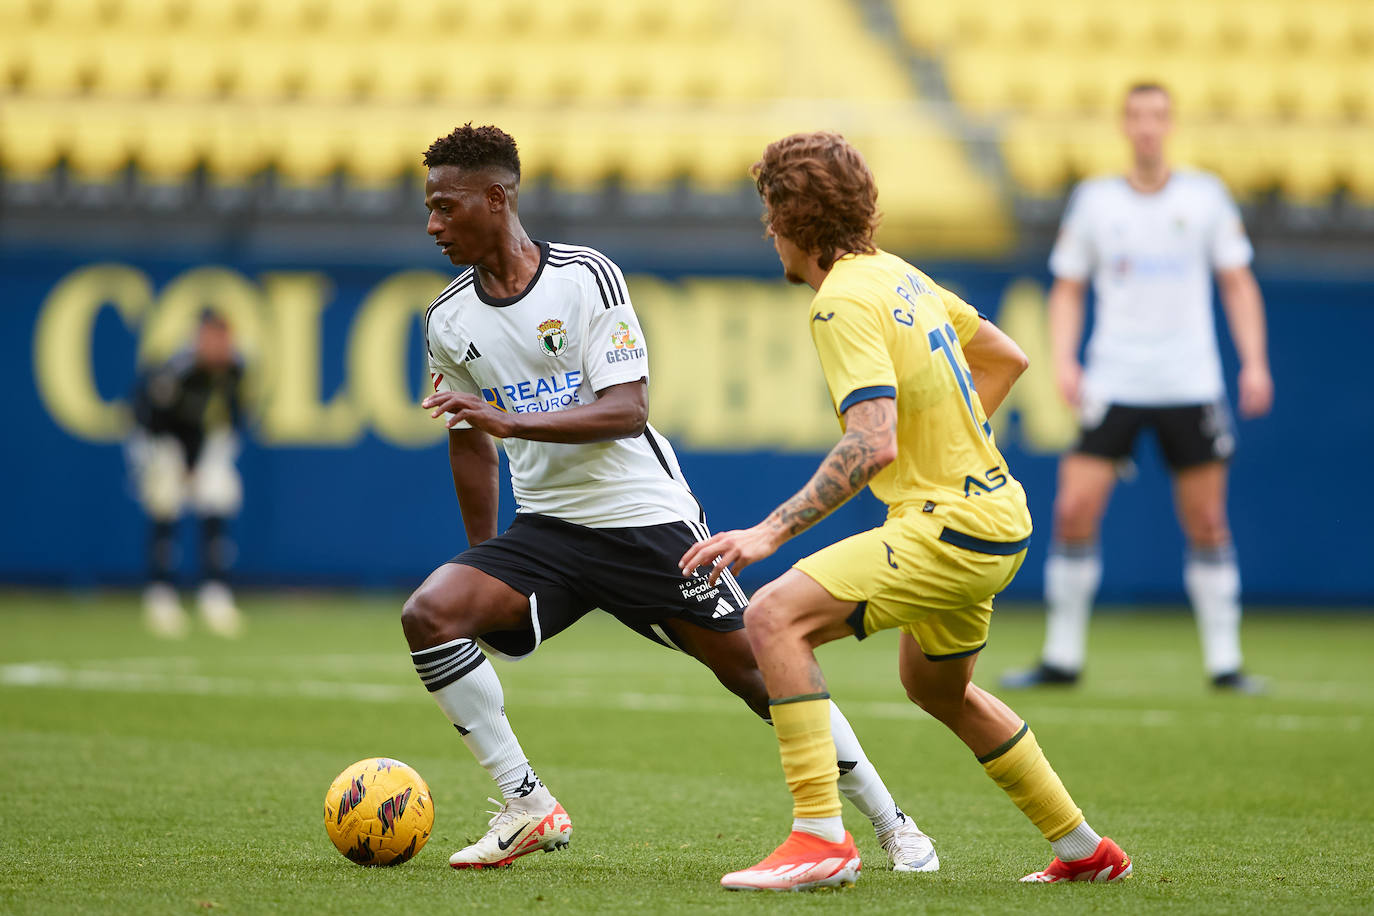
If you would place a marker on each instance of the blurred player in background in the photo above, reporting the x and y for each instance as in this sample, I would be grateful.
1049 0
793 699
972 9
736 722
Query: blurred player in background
537 344
914 372
1150 242
188 412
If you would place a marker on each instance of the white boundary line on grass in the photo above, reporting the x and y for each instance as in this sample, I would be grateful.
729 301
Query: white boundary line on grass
54 675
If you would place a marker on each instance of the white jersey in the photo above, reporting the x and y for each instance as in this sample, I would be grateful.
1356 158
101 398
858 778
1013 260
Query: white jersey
1151 258
570 334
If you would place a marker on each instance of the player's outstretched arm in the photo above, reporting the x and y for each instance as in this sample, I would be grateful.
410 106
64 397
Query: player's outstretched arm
996 362
472 457
619 412
1066 308
1240 297
869 444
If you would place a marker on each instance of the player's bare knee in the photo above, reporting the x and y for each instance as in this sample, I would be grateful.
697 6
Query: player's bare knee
423 619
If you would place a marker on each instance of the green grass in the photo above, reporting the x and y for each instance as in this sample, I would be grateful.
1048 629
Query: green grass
156 777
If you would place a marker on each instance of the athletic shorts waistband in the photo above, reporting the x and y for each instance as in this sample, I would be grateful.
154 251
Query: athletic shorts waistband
995 548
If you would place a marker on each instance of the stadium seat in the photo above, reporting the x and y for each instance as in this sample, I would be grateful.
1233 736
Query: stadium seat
32 140
170 140
1034 154
102 140
56 63
236 150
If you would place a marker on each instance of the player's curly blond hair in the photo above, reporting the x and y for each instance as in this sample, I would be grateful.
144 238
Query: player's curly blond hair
818 194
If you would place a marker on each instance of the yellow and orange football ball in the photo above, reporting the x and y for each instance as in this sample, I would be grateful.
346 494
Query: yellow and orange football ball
378 812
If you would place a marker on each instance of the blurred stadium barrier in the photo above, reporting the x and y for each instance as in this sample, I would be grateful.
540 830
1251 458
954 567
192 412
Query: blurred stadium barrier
347 482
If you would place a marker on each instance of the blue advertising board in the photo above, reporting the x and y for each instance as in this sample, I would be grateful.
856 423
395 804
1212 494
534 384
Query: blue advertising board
346 479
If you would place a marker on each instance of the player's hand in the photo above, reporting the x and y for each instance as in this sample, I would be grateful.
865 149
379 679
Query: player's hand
477 412
1069 377
1256 391
732 550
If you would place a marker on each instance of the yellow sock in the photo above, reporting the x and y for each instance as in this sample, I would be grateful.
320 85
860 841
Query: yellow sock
802 725
1020 768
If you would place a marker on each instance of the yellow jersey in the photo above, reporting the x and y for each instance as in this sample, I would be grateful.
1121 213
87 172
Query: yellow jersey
884 329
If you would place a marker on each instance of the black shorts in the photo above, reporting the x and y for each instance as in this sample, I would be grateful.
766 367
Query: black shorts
1188 434
631 573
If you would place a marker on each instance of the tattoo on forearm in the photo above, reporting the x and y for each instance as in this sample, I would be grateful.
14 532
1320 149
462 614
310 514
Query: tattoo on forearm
851 464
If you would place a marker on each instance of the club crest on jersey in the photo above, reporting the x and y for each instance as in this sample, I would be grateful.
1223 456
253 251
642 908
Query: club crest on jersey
553 337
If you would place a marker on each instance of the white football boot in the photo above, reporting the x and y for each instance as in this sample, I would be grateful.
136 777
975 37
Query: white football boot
162 613
908 849
218 611
519 827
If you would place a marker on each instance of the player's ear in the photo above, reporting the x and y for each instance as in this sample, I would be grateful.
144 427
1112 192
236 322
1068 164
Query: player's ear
496 196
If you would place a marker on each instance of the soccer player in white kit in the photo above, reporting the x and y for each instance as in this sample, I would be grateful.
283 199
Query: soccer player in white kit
1150 242
537 344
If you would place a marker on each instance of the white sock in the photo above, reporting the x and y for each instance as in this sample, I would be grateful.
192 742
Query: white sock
466 687
1078 843
827 828
1072 574
1211 577
859 779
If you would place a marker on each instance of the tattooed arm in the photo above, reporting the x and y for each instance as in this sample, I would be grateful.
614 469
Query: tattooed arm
869 444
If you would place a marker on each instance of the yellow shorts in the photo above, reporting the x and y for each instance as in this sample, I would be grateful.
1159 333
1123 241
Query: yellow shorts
934 583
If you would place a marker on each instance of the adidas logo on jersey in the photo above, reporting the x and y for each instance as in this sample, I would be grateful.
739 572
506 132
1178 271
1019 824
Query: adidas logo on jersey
723 609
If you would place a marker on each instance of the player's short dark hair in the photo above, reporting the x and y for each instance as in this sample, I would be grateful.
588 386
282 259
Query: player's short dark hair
473 148
819 194
1149 86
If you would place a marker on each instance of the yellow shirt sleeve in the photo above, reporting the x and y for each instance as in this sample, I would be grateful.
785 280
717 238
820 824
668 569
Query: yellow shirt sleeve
965 318
852 344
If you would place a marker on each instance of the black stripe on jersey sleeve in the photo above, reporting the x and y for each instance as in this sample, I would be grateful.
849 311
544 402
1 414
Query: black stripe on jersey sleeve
457 286
600 267
612 274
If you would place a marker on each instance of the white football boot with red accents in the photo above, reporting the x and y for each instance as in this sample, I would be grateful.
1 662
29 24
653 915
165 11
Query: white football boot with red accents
1107 863
802 863
519 827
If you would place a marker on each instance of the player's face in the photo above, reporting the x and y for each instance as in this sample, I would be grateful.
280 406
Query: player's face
460 214
215 345
793 258
1147 122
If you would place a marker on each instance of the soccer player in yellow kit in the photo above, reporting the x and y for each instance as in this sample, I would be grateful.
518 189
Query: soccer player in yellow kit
914 373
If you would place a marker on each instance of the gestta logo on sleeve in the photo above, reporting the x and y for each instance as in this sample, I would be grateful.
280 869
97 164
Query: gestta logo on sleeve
623 345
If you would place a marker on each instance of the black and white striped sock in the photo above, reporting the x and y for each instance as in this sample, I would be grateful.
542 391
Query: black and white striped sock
467 689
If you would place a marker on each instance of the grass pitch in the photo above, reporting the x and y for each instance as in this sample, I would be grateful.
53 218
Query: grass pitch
151 777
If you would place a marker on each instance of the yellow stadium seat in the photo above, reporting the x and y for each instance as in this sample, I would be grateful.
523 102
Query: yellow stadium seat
306 145
929 24
1245 87
1358 167
195 65
126 64
83 14
170 140
1305 163
379 151
264 69
103 139
1312 89
237 147
331 69
216 17
979 80
146 15
1034 154
1357 79
397 70
56 63
33 136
